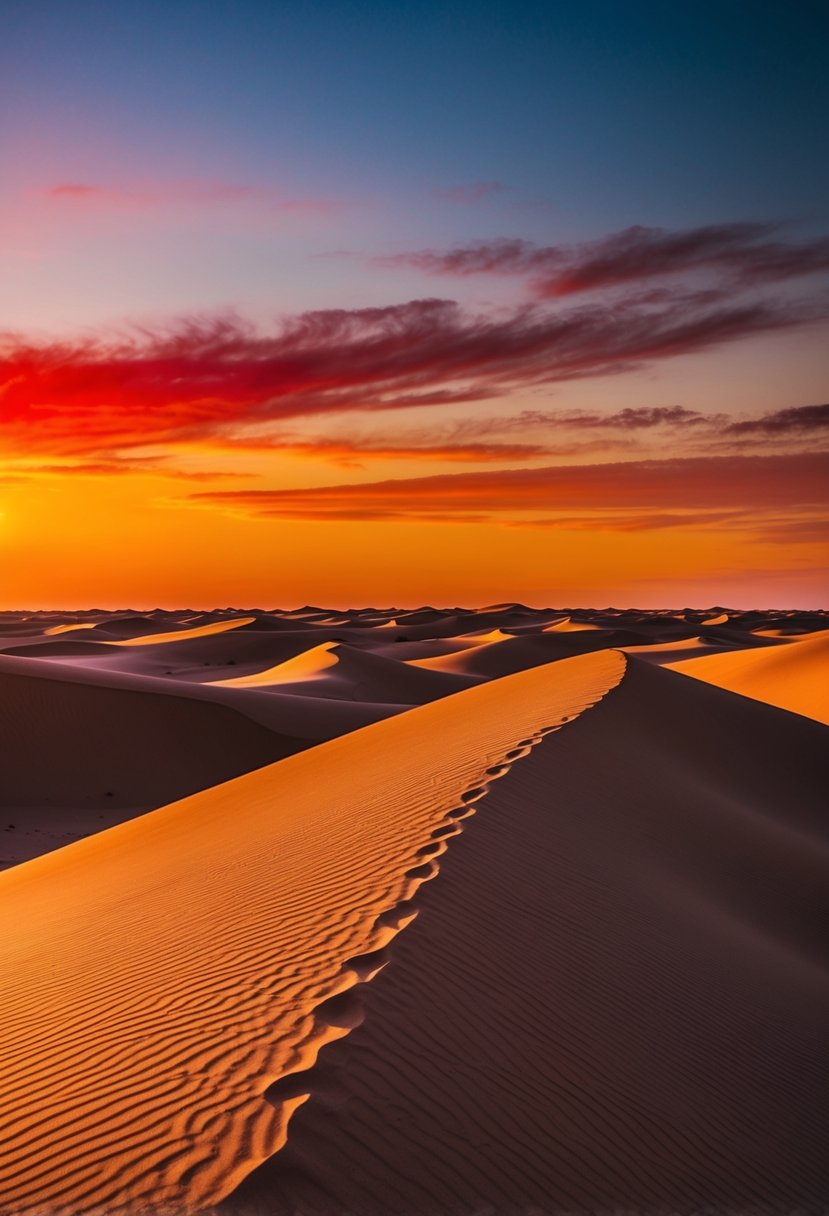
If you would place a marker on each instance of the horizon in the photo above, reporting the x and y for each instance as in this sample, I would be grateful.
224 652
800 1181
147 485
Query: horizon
415 607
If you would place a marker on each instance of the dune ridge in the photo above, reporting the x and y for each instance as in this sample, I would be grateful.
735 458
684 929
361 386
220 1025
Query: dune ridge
600 1008
253 911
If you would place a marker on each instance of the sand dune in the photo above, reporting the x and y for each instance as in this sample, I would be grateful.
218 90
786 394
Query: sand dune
58 648
302 721
180 635
614 998
234 652
307 665
70 628
794 676
566 625
251 911
336 670
73 747
491 660
668 653
599 1007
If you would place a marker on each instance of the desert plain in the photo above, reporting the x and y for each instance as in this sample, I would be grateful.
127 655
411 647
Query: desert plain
407 912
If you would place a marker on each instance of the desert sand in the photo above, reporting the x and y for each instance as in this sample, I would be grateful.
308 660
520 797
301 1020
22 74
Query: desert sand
389 912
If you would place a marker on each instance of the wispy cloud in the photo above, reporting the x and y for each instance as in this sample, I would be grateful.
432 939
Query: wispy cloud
748 254
203 377
796 420
354 451
657 487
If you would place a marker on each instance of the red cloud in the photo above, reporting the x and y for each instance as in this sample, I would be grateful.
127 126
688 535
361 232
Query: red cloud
209 378
747 253
702 484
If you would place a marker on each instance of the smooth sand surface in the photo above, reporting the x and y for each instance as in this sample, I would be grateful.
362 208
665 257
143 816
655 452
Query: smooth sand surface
794 676
71 747
167 972
600 1007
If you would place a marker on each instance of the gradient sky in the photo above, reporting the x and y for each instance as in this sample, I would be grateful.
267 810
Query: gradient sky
453 302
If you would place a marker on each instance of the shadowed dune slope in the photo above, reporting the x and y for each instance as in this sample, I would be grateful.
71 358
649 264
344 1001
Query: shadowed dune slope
135 1079
67 743
614 999
793 676
669 653
304 720
61 648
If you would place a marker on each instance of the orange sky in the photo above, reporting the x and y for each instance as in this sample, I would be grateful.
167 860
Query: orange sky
142 540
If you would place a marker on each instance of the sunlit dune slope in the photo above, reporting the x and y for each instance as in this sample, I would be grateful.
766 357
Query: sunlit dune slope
614 999
308 665
134 624
55 629
179 635
71 744
793 676
164 974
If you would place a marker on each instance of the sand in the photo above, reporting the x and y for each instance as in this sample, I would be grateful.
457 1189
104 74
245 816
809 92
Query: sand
598 1007
431 912
794 676
249 911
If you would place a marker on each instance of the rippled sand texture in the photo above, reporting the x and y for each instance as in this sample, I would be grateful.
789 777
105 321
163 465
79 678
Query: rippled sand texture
166 973
615 998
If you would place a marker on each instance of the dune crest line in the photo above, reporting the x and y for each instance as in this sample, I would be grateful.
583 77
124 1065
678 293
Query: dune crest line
151 1077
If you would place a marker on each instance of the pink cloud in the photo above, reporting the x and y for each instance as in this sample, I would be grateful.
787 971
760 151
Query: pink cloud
189 193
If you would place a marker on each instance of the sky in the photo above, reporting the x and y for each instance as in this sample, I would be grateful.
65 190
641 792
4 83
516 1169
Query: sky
357 303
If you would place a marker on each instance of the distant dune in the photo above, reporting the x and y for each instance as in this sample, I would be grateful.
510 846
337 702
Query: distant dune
794 676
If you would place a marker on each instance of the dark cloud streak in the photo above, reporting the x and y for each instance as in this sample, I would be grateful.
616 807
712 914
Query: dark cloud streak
749 254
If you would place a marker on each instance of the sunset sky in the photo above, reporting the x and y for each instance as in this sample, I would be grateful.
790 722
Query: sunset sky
451 302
